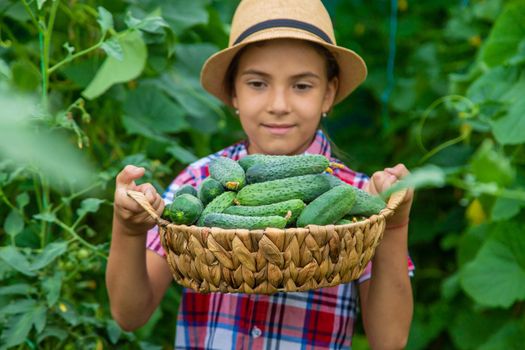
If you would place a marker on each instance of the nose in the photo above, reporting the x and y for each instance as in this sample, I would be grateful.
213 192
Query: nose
278 103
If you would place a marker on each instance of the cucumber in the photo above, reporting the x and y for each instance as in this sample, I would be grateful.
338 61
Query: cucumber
185 209
189 189
329 207
305 188
334 180
247 222
366 204
294 206
228 172
217 205
287 166
344 221
252 159
209 189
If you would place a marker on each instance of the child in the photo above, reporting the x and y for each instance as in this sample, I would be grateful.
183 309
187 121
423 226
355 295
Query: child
282 72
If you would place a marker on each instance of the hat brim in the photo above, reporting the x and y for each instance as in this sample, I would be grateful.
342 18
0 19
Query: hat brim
352 68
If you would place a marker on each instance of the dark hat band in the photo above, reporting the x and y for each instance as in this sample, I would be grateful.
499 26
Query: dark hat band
290 23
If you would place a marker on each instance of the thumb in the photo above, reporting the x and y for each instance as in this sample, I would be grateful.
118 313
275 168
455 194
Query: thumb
128 175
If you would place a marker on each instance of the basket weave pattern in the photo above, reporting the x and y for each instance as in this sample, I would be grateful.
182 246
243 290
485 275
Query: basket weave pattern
272 260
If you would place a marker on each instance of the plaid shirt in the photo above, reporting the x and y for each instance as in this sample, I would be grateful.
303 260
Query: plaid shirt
318 319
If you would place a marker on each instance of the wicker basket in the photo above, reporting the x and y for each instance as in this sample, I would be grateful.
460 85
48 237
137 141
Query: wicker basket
272 260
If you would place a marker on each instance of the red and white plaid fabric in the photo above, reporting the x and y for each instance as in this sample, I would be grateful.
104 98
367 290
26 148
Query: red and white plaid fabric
318 319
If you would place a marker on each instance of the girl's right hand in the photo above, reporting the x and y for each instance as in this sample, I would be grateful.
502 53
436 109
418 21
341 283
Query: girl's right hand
128 213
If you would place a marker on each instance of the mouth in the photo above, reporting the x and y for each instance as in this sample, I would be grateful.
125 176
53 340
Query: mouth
278 129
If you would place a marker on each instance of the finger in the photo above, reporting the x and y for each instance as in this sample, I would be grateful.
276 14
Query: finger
399 171
128 175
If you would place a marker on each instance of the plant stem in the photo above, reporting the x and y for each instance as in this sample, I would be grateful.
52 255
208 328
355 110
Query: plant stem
82 240
78 54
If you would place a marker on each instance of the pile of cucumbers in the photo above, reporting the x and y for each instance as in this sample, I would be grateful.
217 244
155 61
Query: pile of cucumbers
261 191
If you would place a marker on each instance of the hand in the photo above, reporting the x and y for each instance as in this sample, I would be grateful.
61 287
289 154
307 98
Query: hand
128 213
381 181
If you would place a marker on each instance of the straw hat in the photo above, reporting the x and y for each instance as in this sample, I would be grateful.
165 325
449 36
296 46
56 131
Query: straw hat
258 20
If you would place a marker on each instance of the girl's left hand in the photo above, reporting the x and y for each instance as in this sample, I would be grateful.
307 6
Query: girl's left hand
381 181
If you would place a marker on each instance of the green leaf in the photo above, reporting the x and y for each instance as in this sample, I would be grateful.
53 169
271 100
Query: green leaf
20 288
183 155
17 329
14 223
47 217
148 111
181 15
19 306
505 208
89 205
40 318
470 329
16 260
496 277
52 286
507 33
105 19
50 253
490 165
509 129
113 49
150 24
40 3
51 331
26 75
500 84
114 331
508 337
114 71
22 200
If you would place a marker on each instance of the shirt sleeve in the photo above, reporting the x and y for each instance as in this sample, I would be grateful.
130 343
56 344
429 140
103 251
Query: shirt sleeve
188 176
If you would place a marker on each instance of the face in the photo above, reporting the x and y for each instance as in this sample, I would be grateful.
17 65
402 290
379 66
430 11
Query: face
281 89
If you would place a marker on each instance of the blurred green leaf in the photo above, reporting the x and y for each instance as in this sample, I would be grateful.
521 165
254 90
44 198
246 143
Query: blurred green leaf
505 208
105 19
14 223
496 277
16 260
40 318
506 35
508 129
89 205
508 337
26 75
489 165
114 71
17 329
20 288
113 49
182 15
181 154
148 111
114 331
49 254
52 285
428 176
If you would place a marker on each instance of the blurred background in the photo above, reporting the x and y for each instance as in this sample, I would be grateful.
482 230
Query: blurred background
89 86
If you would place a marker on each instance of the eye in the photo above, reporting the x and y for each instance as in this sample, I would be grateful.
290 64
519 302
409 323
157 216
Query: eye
256 84
302 86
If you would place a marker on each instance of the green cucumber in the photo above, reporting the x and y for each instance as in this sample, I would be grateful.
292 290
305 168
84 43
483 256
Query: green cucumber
228 172
185 209
248 161
186 189
217 205
287 166
329 207
294 206
334 180
305 188
209 189
366 204
228 221
344 221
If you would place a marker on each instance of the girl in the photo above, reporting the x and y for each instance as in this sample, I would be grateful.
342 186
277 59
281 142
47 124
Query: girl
282 72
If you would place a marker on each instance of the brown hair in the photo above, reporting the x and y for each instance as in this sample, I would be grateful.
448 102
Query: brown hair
332 68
